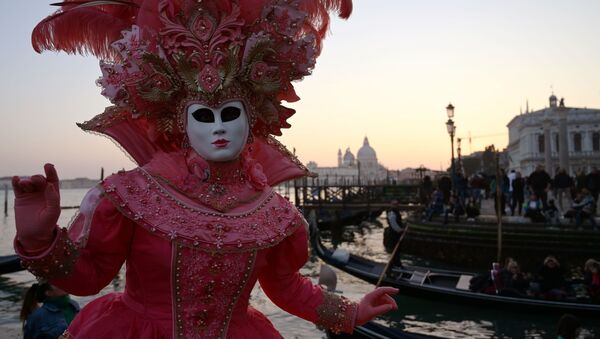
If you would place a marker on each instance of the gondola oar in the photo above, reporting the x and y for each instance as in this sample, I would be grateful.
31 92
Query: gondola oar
387 266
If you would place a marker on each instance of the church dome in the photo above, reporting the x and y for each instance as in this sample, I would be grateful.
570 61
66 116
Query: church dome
366 152
348 158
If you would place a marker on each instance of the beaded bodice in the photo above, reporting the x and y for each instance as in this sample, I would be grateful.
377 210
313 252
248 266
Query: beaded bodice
213 252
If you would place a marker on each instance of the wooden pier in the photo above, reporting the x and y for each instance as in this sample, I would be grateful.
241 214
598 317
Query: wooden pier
310 194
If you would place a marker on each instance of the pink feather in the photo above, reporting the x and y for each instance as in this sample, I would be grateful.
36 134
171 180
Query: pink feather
87 29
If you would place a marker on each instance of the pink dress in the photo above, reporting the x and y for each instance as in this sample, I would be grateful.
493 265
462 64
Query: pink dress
193 252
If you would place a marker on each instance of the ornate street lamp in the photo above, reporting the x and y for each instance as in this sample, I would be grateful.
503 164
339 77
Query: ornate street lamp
451 131
450 111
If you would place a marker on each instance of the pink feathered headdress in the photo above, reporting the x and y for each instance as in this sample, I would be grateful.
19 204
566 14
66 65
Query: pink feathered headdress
160 54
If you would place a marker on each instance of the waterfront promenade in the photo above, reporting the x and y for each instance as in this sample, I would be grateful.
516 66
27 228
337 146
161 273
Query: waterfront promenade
11 331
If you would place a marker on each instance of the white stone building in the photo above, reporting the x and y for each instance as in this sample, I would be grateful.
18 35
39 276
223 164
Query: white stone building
535 138
349 167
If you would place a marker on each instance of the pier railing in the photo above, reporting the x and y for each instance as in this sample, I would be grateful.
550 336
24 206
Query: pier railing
310 194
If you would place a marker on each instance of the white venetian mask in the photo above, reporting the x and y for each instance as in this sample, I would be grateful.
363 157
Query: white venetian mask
220 133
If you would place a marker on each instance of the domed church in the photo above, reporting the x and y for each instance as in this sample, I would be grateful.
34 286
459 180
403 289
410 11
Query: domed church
349 167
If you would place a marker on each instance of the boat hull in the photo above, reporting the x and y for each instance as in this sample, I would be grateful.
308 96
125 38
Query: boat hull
475 245
445 285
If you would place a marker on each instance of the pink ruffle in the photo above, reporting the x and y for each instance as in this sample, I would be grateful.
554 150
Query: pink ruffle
126 323
110 317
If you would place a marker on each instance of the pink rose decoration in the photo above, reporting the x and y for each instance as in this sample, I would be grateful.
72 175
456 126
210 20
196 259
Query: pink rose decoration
257 176
197 166
254 172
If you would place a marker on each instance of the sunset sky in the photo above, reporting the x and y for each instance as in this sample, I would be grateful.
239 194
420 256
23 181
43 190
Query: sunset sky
387 73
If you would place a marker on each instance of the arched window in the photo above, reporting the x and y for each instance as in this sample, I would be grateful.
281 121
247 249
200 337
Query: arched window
541 143
577 142
596 141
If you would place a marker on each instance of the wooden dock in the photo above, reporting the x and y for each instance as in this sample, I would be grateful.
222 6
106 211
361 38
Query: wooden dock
314 195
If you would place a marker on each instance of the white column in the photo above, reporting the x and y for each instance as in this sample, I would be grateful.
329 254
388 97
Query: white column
547 147
563 151
587 140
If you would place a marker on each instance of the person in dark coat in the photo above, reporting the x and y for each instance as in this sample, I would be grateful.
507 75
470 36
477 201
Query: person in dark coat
551 279
425 190
461 188
592 183
518 194
539 183
471 209
562 185
445 186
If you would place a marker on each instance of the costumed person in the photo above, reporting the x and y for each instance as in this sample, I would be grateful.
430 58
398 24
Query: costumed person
395 228
393 233
197 90
51 319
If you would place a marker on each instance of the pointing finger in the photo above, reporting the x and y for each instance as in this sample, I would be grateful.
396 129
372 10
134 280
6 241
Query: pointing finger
378 292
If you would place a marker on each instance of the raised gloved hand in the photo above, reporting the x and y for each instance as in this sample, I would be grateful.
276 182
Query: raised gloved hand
37 208
374 303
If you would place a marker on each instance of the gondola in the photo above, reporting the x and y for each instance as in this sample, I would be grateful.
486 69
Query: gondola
10 264
442 285
373 330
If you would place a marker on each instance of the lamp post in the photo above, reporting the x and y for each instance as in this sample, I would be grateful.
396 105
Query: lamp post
451 130
459 160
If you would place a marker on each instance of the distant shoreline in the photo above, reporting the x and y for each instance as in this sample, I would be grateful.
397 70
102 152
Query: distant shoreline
76 183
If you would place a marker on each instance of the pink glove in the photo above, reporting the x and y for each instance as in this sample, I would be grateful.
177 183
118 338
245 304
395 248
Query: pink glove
37 208
374 303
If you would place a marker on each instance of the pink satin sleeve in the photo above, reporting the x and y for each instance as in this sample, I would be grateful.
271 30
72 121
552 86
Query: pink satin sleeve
85 258
288 289
104 253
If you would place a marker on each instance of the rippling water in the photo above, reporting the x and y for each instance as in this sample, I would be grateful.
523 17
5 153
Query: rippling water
415 315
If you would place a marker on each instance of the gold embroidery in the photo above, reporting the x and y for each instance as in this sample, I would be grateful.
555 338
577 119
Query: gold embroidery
56 264
206 287
271 141
336 313
142 199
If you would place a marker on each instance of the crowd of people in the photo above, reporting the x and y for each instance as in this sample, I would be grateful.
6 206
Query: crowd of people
548 282
538 196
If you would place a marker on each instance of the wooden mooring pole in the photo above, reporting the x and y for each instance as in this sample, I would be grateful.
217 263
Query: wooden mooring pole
5 200
499 211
